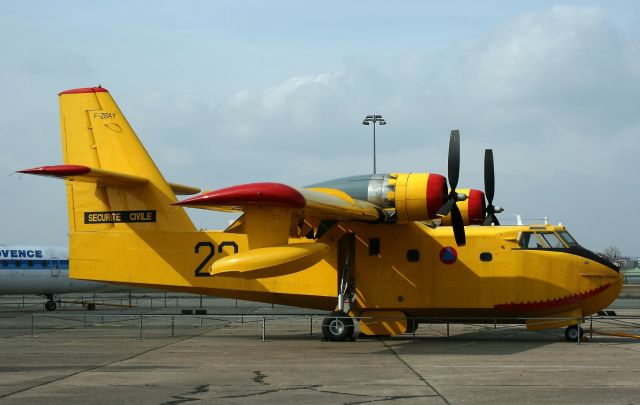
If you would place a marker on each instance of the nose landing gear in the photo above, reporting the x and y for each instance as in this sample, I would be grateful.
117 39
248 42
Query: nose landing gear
51 304
573 333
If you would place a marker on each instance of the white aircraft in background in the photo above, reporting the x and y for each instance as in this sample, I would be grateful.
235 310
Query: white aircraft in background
39 270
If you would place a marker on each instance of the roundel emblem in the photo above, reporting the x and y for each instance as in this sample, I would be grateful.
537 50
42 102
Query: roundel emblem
448 255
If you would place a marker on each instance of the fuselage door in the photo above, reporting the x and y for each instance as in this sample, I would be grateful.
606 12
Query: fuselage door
55 267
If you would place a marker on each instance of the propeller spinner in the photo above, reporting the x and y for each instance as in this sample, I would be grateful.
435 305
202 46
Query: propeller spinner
450 205
489 188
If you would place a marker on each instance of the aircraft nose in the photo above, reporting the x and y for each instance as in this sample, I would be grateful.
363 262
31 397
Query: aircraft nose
588 254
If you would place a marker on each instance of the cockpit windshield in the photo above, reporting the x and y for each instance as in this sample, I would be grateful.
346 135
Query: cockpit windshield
568 239
552 240
545 240
530 240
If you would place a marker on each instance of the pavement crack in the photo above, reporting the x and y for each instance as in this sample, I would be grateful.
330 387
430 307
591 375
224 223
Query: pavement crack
414 371
265 392
391 398
187 397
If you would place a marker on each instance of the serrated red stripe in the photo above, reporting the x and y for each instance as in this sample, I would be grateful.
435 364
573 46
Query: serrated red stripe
553 303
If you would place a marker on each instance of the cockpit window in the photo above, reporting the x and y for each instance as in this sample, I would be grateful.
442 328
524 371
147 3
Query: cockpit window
568 238
542 240
553 240
530 240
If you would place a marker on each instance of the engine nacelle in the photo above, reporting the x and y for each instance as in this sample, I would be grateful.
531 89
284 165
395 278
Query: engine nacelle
473 209
413 196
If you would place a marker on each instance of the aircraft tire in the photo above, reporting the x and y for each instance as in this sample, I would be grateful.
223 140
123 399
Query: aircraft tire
337 327
573 332
91 307
50 305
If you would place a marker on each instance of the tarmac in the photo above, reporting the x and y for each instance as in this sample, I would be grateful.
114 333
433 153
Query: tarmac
151 354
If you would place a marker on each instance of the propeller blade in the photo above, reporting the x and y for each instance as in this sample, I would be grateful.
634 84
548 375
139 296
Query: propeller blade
490 219
458 226
446 208
454 159
489 179
489 189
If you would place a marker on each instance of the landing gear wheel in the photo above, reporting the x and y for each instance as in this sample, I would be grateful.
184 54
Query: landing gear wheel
573 333
50 305
337 327
91 307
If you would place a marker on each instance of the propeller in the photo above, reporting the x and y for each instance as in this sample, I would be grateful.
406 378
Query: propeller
450 205
489 188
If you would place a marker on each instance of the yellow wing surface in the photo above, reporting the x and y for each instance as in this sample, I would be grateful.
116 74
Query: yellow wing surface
271 211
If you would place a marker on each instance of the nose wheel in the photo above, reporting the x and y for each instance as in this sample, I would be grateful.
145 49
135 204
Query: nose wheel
573 333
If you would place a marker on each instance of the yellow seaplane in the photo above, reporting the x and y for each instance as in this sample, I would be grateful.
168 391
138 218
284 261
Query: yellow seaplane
388 251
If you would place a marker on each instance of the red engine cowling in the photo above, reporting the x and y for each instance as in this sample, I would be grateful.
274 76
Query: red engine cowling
473 209
414 196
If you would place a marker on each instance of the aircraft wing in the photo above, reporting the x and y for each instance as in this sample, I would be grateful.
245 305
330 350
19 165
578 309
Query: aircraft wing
320 203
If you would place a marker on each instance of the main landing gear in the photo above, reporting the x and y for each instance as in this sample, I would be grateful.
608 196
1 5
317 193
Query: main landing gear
339 326
51 304
573 333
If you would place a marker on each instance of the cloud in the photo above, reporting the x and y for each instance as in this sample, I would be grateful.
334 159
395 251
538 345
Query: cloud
553 92
57 64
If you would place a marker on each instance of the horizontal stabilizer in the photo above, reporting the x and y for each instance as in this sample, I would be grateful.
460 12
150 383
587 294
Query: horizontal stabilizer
87 174
101 176
270 261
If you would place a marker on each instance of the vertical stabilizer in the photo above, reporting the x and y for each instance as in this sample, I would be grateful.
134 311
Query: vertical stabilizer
96 134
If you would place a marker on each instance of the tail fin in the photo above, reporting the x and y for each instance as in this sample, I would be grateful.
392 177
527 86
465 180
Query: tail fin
96 135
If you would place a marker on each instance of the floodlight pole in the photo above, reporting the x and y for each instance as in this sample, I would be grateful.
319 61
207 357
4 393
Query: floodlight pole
374 118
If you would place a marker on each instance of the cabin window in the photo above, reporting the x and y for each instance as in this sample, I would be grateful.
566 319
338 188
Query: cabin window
374 246
413 255
18 263
5 263
29 263
486 256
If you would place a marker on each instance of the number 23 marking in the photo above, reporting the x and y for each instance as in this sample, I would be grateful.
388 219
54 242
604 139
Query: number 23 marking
212 251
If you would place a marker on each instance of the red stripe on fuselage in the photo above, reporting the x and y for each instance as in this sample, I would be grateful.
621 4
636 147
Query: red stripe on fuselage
553 303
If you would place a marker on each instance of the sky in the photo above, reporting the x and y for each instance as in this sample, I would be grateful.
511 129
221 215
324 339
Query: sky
232 92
